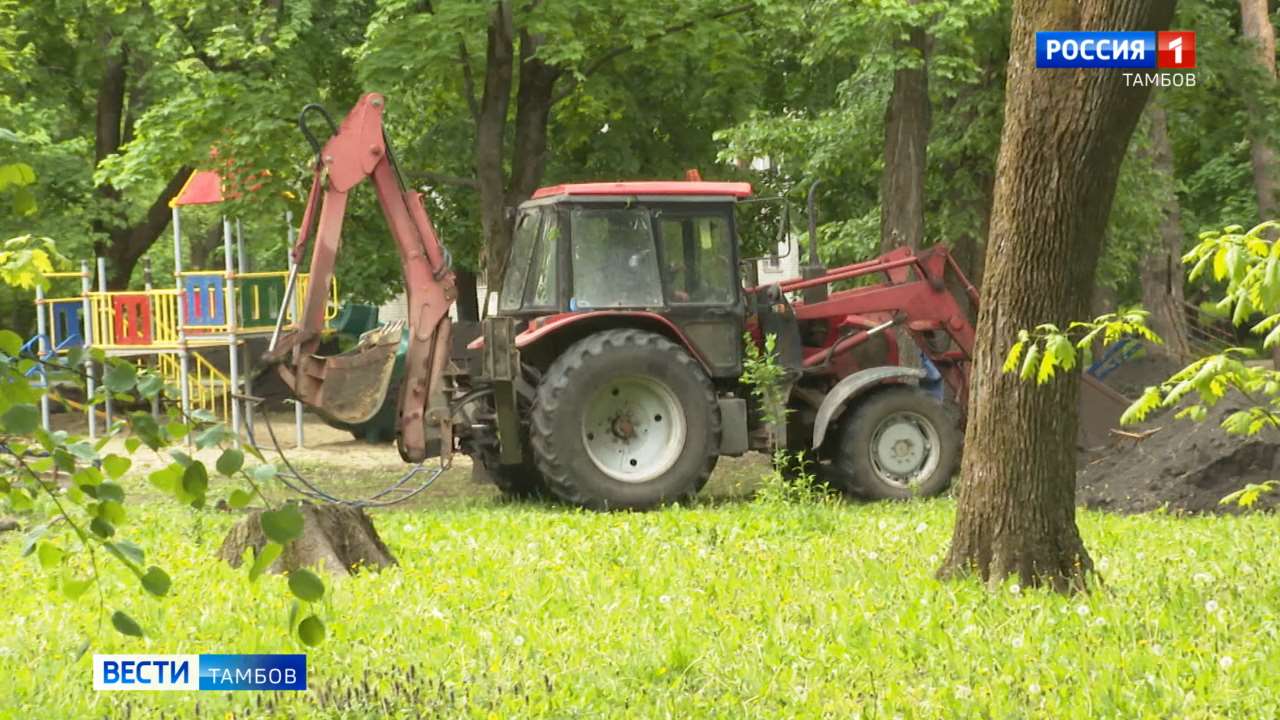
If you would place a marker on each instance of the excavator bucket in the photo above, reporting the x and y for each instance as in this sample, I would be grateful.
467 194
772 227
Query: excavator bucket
350 387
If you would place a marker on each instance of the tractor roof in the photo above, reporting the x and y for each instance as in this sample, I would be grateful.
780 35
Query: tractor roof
682 188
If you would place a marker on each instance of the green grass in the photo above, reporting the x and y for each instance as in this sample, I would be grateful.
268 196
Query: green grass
736 610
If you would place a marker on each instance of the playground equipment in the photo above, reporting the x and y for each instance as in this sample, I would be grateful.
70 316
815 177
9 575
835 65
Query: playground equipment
178 330
611 373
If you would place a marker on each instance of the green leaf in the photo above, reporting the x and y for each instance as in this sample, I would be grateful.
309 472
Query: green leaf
121 377
21 419
10 342
305 585
128 552
239 499
195 479
230 461
101 528
73 588
111 511
156 581
132 444
125 624
262 560
150 385
116 466
1011 360
166 478
214 435
311 631
110 491
263 473
50 555
1030 363
283 525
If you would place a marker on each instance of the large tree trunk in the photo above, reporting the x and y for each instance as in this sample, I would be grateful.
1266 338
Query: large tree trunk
491 127
1162 272
123 244
906 137
1065 135
1256 26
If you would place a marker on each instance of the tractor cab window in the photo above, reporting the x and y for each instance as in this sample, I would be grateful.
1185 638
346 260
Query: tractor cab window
614 263
540 288
697 259
517 272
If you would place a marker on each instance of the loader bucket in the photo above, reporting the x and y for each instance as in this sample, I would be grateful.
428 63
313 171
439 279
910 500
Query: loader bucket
351 387
1100 411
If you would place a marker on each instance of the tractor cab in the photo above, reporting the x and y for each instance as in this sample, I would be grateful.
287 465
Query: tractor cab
664 252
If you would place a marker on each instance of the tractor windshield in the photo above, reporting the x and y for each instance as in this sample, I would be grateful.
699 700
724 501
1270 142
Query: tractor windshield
614 263
517 272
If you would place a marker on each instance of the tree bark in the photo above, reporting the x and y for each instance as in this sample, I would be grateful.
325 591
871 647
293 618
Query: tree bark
121 242
1256 26
1065 135
1161 272
906 137
491 126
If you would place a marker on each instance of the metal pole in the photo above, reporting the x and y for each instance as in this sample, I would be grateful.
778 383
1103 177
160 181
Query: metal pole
86 285
243 267
42 354
102 288
286 305
184 364
151 359
230 309
297 422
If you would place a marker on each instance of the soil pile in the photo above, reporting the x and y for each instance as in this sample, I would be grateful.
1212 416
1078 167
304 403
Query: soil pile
1179 465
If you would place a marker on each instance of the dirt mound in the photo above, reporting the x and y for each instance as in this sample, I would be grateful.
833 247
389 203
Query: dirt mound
1180 465
1153 368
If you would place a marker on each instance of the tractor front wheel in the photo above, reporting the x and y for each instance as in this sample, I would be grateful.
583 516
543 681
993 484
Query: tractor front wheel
897 443
625 419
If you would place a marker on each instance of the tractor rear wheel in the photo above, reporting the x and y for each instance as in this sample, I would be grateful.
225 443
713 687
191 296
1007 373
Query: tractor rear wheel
625 419
897 443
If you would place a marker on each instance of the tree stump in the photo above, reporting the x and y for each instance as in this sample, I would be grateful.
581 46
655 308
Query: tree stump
338 538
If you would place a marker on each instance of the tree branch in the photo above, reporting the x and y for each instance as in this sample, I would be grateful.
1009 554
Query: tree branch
468 79
612 53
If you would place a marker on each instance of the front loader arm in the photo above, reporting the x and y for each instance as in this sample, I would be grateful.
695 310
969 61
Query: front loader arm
352 386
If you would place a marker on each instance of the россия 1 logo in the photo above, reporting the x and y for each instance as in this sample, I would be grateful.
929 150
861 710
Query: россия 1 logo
1174 50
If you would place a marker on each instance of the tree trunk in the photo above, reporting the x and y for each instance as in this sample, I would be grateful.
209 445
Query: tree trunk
491 126
906 136
468 303
1065 135
1162 272
1256 26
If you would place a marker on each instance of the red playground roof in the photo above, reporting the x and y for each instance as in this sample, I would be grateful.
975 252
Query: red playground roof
204 187
648 187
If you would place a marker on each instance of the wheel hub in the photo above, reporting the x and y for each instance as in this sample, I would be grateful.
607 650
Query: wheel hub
904 448
634 429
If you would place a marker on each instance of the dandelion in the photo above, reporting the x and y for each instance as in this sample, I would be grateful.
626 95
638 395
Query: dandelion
921 528
1157 649
1033 689
665 599
604 129
963 692
873 555
1017 641
1015 588
408 527
1202 578
1211 607
1225 662
517 640
969 629
1099 621
1082 610
1103 564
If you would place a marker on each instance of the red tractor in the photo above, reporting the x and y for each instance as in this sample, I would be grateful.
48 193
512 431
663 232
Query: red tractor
610 374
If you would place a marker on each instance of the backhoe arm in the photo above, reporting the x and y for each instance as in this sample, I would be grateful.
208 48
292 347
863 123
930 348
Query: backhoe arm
351 387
